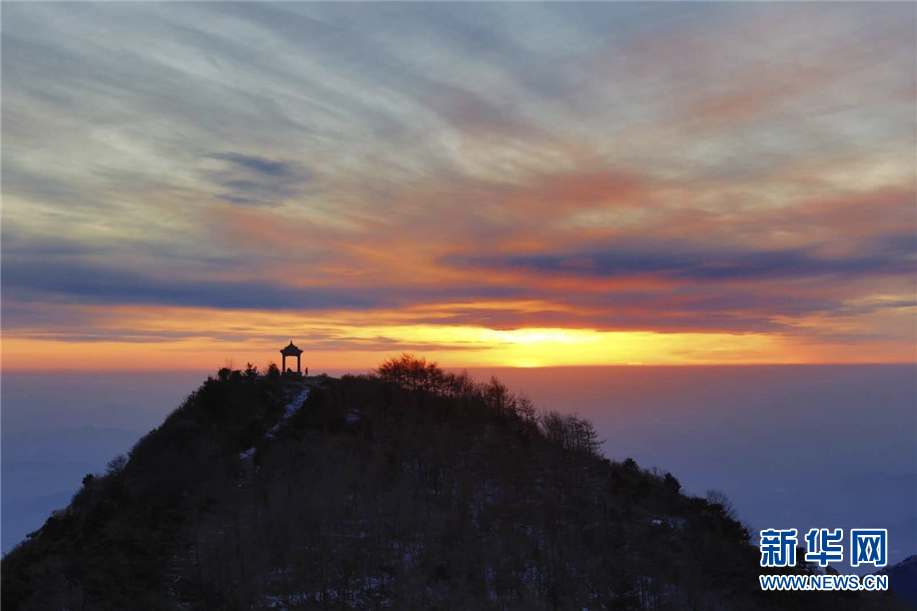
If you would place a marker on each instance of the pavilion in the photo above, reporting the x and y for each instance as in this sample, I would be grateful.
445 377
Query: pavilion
291 350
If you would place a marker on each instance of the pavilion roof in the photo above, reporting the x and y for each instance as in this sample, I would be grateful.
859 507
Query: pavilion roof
291 350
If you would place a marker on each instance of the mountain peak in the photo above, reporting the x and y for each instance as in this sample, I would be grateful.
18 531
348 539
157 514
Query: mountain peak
409 488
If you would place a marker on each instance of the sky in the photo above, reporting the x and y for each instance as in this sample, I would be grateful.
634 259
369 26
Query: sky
484 184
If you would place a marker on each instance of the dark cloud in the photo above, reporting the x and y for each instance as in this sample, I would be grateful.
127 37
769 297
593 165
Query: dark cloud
713 265
64 280
251 180
86 283
260 165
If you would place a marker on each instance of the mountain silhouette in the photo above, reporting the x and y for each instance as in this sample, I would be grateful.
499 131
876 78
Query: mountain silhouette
902 579
412 488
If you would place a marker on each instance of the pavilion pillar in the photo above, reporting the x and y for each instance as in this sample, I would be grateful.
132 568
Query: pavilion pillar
298 370
283 364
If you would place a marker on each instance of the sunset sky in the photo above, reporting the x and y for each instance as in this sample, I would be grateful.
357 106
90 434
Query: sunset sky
483 184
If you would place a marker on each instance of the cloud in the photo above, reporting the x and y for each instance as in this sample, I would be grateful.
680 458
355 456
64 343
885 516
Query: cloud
896 257
260 165
87 283
256 181
611 166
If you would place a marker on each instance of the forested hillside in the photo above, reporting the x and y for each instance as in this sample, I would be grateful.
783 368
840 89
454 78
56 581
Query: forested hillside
409 489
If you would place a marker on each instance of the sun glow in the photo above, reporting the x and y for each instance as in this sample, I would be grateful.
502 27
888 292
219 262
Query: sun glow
150 338
538 336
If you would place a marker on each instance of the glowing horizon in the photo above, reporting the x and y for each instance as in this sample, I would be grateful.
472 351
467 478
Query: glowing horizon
360 347
658 184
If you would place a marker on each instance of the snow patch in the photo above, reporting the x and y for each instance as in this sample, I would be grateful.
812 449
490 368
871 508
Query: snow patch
290 409
296 403
247 453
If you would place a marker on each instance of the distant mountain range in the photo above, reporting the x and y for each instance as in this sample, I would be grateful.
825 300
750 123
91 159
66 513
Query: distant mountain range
902 579
39 473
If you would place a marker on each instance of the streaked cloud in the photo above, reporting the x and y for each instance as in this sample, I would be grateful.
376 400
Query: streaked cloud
440 176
